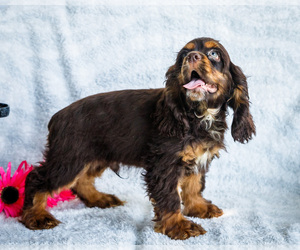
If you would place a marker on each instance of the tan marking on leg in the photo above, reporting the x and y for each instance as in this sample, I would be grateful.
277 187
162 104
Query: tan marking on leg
86 191
37 217
194 204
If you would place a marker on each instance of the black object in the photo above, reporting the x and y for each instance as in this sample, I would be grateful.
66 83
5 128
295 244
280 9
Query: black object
9 195
4 110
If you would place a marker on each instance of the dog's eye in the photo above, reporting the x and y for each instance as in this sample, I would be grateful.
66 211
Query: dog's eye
181 55
184 54
214 55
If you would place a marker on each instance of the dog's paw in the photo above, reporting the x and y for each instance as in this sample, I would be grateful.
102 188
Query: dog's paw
106 201
181 229
185 230
39 221
213 211
204 211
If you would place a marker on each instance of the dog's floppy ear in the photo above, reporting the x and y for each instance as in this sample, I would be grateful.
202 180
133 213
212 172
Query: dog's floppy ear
242 126
170 116
171 76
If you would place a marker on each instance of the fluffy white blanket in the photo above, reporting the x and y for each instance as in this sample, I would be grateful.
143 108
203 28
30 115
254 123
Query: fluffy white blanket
52 55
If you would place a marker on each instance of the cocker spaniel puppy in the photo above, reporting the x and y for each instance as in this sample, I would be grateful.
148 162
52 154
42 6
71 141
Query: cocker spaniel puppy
173 133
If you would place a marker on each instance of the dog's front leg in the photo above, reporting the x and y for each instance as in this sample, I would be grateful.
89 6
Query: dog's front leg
162 184
194 204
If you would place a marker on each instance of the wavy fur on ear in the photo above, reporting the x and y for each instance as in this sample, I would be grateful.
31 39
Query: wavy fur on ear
242 126
170 116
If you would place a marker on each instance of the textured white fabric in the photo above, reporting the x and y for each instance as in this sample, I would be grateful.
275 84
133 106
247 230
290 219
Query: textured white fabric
51 56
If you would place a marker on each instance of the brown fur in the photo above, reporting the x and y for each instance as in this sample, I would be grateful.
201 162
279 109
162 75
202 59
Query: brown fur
37 217
211 44
86 191
191 152
194 204
173 133
177 227
190 46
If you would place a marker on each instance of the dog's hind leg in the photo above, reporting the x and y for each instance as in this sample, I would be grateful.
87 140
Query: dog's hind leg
41 182
86 191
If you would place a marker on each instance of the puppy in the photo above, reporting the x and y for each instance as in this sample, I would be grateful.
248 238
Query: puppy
173 133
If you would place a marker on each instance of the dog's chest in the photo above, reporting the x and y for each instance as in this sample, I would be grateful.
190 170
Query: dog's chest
202 160
198 156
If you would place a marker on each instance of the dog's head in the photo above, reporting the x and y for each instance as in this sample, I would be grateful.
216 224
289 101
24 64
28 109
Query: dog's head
205 75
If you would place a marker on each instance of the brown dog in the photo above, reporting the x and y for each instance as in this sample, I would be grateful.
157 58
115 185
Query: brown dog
173 133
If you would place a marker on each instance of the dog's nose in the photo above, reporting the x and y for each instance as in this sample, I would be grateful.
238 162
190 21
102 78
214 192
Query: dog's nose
193 57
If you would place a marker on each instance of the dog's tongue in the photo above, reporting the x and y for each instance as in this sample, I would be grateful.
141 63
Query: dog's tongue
195 83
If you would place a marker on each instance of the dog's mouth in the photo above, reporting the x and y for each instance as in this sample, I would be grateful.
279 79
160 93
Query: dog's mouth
199 84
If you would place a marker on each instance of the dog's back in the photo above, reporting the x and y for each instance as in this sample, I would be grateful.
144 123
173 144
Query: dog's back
113 126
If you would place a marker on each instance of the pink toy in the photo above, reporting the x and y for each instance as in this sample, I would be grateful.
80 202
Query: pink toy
12 191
